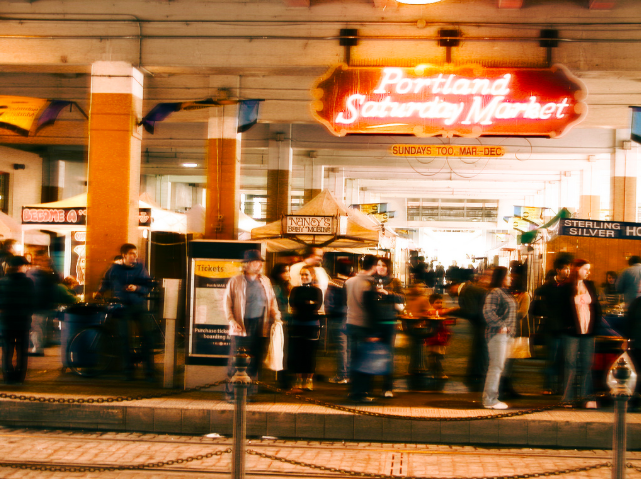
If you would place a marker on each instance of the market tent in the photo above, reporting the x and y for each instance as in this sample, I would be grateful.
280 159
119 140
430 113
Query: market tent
10 228
362 231
162 220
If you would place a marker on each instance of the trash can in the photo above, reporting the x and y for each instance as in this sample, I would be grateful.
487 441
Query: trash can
76 318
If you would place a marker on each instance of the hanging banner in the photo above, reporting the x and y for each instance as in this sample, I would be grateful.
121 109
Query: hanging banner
520 224
371 208
70 216
599 229
468 101
471 151
18 113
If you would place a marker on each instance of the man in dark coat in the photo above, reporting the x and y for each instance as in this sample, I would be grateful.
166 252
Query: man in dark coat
16 307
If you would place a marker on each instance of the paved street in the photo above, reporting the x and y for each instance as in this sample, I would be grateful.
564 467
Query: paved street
71 448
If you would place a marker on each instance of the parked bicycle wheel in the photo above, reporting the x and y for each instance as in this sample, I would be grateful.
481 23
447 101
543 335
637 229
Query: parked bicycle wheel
88 354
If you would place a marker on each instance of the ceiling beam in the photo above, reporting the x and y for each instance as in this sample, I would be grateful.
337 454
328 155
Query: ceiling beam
602 4
297 3
511 3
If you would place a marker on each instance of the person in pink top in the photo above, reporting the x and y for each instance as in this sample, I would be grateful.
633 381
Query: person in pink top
581 313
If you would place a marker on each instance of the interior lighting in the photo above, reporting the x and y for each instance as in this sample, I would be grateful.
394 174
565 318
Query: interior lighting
417 2
190 165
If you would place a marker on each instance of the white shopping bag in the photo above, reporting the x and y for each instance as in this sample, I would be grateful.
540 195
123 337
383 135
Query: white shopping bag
274 359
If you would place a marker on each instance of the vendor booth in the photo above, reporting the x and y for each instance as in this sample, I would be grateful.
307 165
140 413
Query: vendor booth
327 223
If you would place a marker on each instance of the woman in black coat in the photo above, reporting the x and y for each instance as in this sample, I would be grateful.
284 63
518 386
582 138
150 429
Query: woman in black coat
580 313
304 331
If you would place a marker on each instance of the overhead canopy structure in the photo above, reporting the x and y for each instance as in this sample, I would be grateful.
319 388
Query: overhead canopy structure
70 214
196 222
350 228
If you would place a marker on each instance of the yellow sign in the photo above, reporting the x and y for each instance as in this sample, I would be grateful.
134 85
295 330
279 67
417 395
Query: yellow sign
369 208
382 217
520 224
19 112
476 151
217 269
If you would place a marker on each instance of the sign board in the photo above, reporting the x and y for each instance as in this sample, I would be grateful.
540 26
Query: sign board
530 213
520 224
309 225
18 113
599 229
70 216
475 151
212 264
468 101
370 208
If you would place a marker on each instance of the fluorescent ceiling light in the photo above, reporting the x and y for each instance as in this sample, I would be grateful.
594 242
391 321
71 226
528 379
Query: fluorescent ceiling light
190 165
417 2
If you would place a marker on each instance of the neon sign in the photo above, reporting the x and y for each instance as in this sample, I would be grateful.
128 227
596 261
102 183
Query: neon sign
468 101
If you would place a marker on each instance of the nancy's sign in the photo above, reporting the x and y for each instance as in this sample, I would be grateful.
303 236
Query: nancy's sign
309 225
599 229
468 101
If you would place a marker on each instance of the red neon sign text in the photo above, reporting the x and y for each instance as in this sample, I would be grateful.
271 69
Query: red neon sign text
465 101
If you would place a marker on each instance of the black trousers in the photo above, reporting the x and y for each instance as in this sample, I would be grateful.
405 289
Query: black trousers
18 341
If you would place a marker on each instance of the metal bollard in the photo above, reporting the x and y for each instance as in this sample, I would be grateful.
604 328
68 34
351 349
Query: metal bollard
621 380
241 382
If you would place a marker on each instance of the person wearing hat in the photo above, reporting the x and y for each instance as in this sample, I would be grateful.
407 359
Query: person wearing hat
250 308
16 307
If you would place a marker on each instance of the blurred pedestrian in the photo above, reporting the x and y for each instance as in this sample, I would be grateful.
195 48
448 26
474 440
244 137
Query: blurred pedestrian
304 333
361 305
129 284
548 299
499 311
608 294
581 313
16 307
45 283
629 283
313 256
280 282
250 308
390 301
336 311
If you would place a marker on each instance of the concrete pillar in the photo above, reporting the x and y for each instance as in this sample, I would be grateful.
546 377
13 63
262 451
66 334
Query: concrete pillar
223 174
336 182
313 179
590 200
623 180
114 164
279 173
352 191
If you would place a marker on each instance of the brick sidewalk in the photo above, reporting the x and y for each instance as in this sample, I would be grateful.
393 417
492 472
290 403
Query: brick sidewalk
64 447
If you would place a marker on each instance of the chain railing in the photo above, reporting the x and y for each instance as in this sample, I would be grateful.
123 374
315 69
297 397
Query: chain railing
117 399
349 472
124 467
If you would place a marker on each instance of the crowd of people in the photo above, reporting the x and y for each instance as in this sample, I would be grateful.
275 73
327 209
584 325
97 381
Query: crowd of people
365 309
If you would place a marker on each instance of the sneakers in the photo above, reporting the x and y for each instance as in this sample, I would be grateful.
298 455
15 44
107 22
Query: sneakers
498 405
309 385
339 380
298 385
389 394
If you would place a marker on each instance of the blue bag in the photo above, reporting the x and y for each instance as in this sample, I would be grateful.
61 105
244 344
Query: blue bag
375 358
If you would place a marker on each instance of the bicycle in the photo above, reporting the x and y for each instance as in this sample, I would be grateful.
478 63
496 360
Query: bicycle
96 349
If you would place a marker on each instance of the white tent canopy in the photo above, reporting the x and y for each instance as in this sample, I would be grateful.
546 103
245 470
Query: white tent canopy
362 230
161 220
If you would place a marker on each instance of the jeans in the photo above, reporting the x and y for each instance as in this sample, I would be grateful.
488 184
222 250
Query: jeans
554 368
498 347
387 333
255 345
360 383
339 338
17 340
579 352
136 314
37 334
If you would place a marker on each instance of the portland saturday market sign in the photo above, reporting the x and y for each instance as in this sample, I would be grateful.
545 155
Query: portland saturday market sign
467 101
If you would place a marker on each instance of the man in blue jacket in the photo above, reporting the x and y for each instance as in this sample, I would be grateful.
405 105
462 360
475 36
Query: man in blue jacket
129 284
629 283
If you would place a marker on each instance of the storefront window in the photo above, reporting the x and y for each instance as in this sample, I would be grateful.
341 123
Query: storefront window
451 209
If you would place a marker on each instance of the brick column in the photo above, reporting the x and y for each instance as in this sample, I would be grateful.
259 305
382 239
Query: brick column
114 164
313 179
623 180
223 174
280 171
590 200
